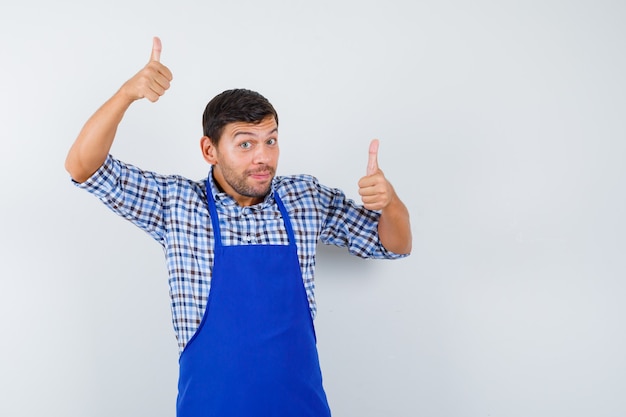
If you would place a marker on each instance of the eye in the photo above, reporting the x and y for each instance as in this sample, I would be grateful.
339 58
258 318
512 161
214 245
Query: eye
245 145
272 141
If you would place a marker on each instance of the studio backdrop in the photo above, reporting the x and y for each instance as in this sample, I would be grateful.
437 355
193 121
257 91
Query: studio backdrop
501 126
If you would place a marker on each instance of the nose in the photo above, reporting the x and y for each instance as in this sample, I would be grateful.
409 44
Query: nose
262 155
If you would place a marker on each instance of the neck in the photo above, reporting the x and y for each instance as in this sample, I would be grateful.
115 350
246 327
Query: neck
224 187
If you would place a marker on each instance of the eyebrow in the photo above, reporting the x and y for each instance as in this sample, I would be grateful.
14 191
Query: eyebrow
275 130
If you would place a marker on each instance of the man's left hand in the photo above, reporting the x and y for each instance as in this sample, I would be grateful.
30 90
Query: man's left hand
376 192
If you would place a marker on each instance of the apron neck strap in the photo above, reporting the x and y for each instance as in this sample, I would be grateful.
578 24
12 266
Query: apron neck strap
216 223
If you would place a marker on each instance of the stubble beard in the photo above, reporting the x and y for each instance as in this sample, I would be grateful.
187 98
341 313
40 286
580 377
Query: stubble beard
240 184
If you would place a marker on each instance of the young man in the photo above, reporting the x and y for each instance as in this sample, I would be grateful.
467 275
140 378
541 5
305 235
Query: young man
240 248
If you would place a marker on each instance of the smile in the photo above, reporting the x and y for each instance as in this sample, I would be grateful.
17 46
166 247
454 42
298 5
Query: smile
261 175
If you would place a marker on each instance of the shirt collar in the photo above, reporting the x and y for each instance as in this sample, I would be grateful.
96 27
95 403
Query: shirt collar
224 199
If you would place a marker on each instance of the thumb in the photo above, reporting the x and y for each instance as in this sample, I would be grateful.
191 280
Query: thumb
156 49
372 162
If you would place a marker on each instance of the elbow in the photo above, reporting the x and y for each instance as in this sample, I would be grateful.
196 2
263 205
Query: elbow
398 246
75 170
409 245
405 249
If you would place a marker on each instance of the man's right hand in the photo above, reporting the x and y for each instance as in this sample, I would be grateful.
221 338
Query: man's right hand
152 81
91 147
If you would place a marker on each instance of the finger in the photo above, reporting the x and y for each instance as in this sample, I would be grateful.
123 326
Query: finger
166 72
372 163
367 182
162 81
156 49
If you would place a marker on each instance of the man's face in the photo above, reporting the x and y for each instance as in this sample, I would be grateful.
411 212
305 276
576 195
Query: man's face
245 160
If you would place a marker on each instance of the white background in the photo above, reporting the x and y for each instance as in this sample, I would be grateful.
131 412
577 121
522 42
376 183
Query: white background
502 126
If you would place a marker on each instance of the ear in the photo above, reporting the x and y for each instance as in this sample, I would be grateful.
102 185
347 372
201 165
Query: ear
209 152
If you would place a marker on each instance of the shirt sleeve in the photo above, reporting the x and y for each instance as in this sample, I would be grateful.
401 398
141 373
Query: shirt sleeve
352 226
132 193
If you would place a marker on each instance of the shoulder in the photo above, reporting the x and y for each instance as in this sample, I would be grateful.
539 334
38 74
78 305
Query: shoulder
304 189
171 180
295 181
167 185
301 183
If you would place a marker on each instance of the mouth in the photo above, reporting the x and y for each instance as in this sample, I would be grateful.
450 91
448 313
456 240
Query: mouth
261 174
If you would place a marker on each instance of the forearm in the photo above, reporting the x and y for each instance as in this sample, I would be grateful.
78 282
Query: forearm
394 227
93 144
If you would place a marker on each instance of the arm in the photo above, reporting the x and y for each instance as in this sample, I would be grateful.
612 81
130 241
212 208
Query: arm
394 228
94 141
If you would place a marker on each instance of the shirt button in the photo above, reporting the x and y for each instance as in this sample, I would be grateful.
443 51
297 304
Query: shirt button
248 238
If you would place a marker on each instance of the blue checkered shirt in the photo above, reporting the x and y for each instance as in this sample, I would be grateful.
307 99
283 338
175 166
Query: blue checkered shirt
174 211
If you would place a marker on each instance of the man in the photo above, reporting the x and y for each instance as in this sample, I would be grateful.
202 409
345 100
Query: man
240 248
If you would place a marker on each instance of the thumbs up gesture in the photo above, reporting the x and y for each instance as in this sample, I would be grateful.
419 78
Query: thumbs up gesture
376 192
152 81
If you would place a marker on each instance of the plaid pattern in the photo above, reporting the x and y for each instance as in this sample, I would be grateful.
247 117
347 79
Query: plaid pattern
173 210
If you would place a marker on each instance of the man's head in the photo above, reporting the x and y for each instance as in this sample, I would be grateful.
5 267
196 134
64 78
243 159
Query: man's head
238 105
241 142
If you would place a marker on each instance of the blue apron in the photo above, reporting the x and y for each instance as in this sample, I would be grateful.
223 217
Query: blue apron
254 354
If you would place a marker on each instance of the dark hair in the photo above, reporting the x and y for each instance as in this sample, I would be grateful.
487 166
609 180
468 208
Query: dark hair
237 105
